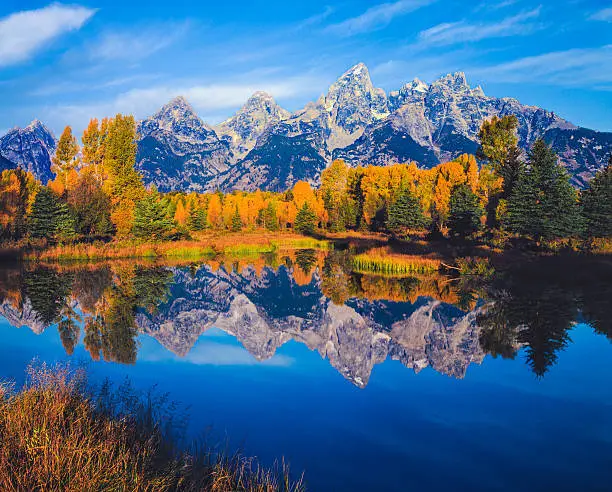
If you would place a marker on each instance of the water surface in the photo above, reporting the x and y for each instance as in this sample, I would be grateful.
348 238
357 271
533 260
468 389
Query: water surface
365 382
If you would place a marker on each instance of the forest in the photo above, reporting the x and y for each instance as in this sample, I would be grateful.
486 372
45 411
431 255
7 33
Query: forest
97 194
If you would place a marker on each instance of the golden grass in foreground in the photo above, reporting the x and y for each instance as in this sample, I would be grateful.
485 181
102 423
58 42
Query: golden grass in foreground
54 436
381 260
202 246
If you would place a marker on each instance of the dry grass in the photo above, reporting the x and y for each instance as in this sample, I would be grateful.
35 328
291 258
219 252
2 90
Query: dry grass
381 260
204 245
55 436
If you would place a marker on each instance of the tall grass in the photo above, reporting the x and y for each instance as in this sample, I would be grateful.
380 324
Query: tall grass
303 243
54 435
380 260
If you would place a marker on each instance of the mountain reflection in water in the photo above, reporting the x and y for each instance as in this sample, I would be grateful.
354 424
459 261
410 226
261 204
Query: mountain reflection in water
355 321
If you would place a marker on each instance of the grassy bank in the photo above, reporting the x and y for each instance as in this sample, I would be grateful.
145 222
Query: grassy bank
381 260
201 246
56 435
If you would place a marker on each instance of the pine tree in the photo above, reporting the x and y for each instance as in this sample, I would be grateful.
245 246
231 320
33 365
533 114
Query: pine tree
65 230
236 221
543 204
465 212
150 219
405 213
196 221
42 219
597 203
305 220
267 217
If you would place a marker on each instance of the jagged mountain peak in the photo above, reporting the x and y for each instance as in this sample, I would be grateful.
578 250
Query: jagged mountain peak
356 79
455 81
249 123
29 148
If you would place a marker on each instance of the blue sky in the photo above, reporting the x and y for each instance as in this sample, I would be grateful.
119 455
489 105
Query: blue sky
66 62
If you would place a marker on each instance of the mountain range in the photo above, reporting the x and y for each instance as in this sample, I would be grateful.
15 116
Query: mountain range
264 146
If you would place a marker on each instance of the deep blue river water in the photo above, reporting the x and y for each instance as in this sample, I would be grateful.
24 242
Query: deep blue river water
362 382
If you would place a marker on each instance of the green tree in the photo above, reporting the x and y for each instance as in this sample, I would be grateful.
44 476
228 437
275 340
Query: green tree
64 223
124 183
596 203
236 221
305 220
197 219
266 217
150 219
42 218
543 204
405 213
65 158
465 212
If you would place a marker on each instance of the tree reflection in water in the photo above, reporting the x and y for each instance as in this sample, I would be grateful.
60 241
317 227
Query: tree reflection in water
529 306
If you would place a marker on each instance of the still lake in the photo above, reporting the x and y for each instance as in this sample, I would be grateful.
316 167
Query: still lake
364 382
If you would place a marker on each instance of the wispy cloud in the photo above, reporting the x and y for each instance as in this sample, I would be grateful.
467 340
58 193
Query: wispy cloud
464 31
208 100
24 33
315 19
602 15
586 67
136 44
376 17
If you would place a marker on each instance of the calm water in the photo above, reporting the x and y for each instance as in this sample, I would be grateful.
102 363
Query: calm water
364 382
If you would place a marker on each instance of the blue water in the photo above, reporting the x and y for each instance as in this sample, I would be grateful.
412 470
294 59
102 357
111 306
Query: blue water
496 427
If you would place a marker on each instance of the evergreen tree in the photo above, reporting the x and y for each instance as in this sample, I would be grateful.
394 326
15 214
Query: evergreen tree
64 223
236 221
150 219
597 203
543 204
42 219
267 217
465 212
405 213
305 220
196 221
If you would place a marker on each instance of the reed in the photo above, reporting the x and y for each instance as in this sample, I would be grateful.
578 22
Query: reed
380 260
303 243
56 435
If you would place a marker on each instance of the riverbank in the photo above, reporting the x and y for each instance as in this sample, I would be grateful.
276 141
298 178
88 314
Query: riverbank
56 434
202 245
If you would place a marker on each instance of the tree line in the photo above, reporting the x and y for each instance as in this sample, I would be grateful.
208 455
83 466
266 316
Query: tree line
97 193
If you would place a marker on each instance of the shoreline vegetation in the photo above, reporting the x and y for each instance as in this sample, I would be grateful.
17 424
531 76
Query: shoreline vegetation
59 433
201 246
98 207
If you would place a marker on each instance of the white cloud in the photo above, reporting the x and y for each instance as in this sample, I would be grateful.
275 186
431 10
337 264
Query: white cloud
135 44
463 32
585 67
602 15
24 33
212 99
376 17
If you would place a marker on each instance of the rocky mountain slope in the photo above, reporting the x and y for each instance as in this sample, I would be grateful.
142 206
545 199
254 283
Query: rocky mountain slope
178 151
426 123
264 146
29 148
